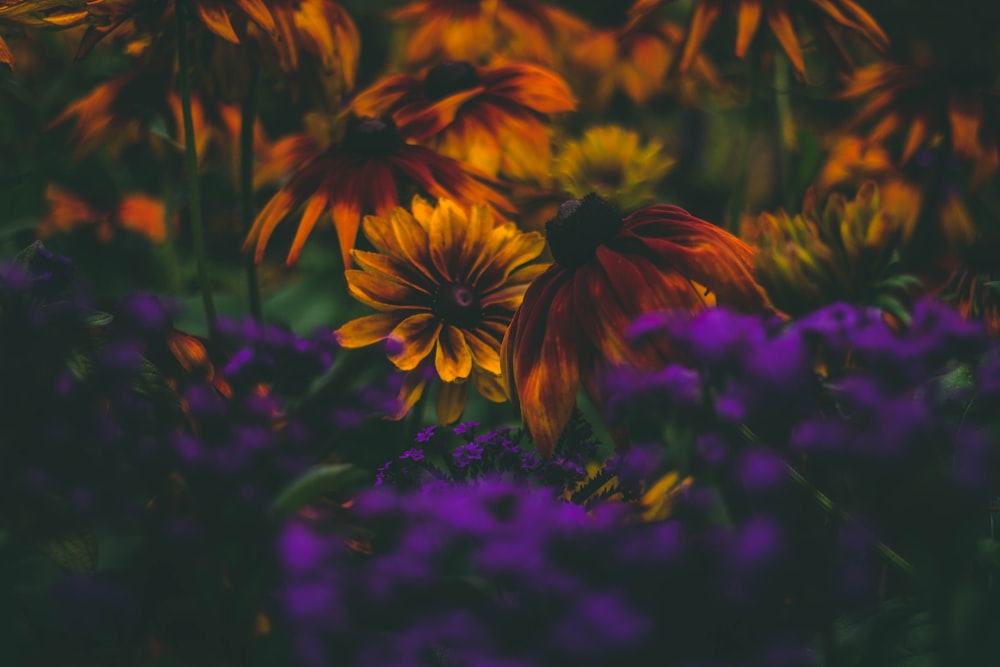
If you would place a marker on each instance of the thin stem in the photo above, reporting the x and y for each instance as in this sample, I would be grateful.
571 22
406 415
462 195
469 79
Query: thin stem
191 155
247 119
787 141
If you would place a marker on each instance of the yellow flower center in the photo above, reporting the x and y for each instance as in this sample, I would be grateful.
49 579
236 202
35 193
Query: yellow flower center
458 305
449 78
579 228
371 136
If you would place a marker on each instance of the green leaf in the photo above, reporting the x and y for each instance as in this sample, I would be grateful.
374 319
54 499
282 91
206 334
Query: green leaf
314 484
98 319
897 634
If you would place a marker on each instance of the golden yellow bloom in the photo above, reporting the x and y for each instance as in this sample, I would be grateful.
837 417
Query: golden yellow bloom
136 213
635 59
825 20
491 116
361 174
52 14
475 30
445 282
821 256
948 104
610 161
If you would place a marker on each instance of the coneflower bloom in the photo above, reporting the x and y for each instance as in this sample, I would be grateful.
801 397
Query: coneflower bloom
611 162
491 116
474 30
930 102
446 283
217 131
609 270
137 213
52 14
825 20
634 57
361 174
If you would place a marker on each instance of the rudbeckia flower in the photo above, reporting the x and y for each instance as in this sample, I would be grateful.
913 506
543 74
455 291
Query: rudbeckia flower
217 16
608 271
492 117
838 253
363 173
137 213
445 282
216 130
824 18
931 102
635 57
474 30
609 161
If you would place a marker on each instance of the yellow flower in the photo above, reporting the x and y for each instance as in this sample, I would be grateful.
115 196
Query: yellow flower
446 283
821 256
610 161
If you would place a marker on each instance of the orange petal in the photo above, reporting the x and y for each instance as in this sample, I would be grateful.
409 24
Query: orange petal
485 351
257 11
451 400
705 14
749 20
453 358
6 55
413 388
415 336
314 209
489 387
784 31
143 215
380 292
368 329
215 18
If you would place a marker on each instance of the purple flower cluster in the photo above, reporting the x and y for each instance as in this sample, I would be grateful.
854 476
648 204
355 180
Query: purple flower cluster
498 573
496 452
84 414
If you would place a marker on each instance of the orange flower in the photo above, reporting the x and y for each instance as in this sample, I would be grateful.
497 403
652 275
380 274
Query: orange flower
445 282
217 16
490 116
635 58
361 174
473 30
137 213
217 126
955 102
608 271
824 18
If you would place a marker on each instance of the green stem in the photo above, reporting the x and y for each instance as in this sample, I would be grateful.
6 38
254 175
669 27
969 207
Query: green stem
168 252
249 115
785 130
191 155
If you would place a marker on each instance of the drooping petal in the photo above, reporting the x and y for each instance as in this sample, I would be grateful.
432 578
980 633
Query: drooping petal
368 329
451 400
413 388
453 358
379 291
781 25
415 337
213 14
314 209
485 350
749 20
705 14
489 387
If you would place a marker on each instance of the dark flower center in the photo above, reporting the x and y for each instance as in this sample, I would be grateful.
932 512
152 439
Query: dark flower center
449 78
457 304
579 228
371 136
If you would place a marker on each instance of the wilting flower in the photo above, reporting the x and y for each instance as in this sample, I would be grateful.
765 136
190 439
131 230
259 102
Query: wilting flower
361 174
954 102
821 256
608 271
137 213
610 161
445 281
473 30
824 18
635 57
491 116
52 14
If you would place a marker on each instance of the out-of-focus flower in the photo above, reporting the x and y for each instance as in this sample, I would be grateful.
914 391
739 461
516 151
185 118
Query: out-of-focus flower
479 29
137 213
115 113
954 105
321 29
361 174
608 271
825 20
491 116
217 16
446 282
610 161
51 14
635 57
821 256
217 127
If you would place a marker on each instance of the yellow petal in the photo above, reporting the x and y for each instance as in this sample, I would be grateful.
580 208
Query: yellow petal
415 337
453 358
367 330
451 400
